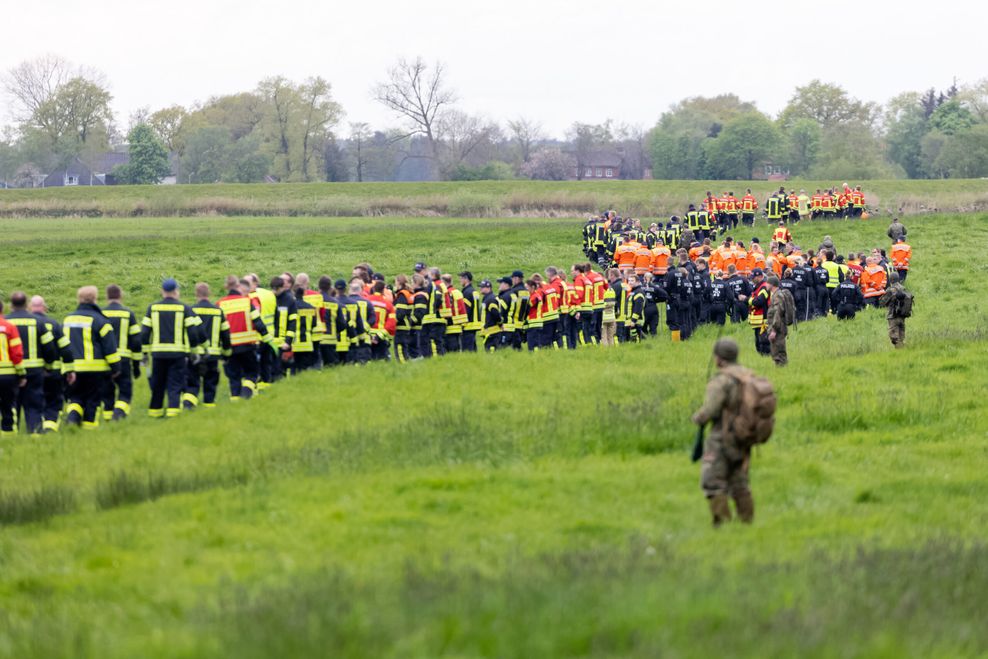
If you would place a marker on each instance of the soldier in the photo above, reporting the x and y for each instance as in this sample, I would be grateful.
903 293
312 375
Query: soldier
896 230
725 464
899 303
775 321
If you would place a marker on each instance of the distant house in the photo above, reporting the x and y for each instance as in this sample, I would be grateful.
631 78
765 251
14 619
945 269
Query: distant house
598 165
770 172
100 171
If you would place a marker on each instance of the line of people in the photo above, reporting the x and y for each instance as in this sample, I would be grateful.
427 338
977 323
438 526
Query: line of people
82 370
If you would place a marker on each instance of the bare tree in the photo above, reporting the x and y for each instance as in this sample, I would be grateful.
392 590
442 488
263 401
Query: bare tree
410 91
527 134
464 136
33 83
359 132
587 138
631 141
319 114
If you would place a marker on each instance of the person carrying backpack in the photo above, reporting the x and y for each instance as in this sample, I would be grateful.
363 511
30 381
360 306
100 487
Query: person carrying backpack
899 303
741 408
780 315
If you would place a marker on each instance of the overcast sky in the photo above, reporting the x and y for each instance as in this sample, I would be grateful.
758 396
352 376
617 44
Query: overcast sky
549 60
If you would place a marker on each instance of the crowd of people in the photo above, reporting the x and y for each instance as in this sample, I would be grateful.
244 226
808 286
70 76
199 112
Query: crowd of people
81 370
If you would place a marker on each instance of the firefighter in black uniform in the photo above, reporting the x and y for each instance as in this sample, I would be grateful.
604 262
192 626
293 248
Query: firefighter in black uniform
285 323
94 358
38 344
169 329
119 392
490 317
473 301
204 362
678 287
54 382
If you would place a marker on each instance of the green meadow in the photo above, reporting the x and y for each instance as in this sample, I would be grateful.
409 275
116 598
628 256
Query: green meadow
505 505
456 199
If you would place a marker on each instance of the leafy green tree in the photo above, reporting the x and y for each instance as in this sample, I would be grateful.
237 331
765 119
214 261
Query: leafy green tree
745 142
148 158
166 123
205 158
965 154
827 104
803 142
676 144
930 148
852 151
951 117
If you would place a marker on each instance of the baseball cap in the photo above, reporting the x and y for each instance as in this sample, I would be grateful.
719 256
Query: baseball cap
504 280
518 273
485 283
339 285
377 276
419 267
169 285
757 272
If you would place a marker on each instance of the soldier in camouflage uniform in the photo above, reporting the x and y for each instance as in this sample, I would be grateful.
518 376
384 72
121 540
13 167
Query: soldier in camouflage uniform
775 322
897 324
725 465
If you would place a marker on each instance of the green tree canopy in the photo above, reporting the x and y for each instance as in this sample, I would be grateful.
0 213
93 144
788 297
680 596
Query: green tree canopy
745 142
148 158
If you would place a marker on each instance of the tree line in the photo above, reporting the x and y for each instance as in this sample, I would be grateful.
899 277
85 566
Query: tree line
285 130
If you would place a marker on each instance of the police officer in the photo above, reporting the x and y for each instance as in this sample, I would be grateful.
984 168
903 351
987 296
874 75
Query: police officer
678 288
94 358
802 292
38 348
846 300
170 328
654 295
119 392
55 381
204 364
742 290
722 299
724 472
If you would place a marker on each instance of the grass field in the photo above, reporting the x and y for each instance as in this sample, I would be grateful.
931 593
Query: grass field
456 199
509 504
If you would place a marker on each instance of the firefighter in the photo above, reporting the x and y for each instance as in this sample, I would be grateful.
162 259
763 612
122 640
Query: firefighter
490 317
248 334
285 327
118 393
749 206
37 349
314 299
333 324
55 381
598 286
268 304
473 300
404 317
434 323
170 328
520 308
901 255
12 375
359 313
203 370
757 307
533 322
635 312
420 309
781 236
554 290
94 358
383 321
304 348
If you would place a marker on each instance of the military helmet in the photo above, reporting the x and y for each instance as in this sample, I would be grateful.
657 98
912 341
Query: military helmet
727 349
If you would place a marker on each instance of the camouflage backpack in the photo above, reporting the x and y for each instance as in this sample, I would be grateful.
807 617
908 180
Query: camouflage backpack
904 305
754 419
788 307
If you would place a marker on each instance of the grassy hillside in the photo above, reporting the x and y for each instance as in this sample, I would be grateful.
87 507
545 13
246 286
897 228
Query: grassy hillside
510 504
474 199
